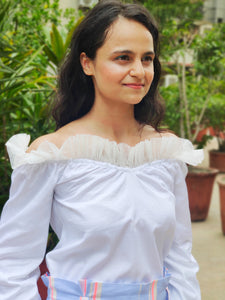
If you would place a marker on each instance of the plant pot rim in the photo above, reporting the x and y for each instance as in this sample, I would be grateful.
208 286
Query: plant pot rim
217 151
202 171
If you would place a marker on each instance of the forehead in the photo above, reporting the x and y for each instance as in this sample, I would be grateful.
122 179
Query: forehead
128 33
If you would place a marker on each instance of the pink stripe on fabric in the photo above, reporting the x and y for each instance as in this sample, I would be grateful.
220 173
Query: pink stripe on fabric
51 284
85 287
95 291
153 294
83 283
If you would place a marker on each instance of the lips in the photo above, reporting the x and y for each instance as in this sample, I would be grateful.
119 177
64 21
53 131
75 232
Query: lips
135 86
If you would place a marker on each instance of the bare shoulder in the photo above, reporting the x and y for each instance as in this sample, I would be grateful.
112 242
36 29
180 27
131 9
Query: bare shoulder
51 137
60 136
149 132
167 133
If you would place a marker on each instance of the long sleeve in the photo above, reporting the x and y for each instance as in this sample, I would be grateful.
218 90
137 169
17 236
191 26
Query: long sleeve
24 230
180 262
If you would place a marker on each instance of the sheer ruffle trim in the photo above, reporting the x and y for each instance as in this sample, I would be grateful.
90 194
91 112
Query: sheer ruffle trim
84 146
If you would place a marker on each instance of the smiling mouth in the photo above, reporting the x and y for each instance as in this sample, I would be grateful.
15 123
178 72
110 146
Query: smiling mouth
136 86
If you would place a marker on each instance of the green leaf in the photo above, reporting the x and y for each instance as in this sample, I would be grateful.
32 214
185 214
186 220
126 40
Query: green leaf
51 55
57 43
21 69
70 33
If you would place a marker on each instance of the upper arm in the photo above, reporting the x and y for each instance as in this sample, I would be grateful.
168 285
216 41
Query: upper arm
24 227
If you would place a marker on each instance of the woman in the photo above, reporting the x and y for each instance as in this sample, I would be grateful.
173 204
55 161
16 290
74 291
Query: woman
109 182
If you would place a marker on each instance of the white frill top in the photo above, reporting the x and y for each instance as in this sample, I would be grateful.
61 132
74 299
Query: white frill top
121 214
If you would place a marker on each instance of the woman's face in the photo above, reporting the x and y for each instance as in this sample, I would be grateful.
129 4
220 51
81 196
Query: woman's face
122 70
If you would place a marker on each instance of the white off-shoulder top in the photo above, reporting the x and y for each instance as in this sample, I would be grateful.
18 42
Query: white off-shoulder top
121 214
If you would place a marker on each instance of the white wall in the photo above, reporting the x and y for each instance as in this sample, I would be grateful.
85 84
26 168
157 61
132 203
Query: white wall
214 10
68 4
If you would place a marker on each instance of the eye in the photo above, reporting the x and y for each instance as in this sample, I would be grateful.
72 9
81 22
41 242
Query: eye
147 59
123 57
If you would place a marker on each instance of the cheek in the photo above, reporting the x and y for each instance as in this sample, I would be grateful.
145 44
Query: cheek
113 72
150 74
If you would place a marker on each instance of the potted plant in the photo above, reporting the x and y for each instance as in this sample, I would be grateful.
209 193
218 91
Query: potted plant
200 185
215 118
217 156
188 101
216 113
199 180
213 45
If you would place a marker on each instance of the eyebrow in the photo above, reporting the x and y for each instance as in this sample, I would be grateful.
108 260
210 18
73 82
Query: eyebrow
131 52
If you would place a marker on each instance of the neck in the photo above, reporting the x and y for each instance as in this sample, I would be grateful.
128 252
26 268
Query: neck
116 122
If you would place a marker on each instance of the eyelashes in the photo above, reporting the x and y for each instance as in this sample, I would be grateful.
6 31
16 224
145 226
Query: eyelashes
124 58
147 58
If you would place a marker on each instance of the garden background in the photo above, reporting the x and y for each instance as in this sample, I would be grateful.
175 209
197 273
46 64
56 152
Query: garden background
35 36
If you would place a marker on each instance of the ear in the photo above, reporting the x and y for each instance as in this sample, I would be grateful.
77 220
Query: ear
86 64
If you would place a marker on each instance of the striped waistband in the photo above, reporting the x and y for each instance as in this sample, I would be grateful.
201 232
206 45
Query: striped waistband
60 289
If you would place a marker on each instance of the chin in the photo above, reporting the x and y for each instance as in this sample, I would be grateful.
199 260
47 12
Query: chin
136 100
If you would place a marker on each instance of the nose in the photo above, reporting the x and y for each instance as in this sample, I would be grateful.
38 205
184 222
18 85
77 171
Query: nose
137 69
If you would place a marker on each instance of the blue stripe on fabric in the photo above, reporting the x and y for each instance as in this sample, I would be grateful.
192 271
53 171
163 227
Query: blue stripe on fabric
68 290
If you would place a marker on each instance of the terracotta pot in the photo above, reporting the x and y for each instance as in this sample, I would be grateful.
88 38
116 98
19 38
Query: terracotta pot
41 287
200 184
221 183
217 160
209 131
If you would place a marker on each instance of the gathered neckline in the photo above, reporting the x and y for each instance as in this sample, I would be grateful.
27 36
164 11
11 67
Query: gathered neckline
107 140
88 146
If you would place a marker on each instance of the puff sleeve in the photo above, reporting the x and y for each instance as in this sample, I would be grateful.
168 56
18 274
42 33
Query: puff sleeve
24 227
179 261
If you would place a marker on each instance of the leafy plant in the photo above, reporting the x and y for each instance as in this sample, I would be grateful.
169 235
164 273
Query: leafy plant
57 45
210 64
25 88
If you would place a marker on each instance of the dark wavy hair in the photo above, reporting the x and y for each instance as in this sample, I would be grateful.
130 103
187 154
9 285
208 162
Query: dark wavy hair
76 93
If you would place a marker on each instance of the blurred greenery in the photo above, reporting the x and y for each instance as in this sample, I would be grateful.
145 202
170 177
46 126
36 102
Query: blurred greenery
32 44
192 101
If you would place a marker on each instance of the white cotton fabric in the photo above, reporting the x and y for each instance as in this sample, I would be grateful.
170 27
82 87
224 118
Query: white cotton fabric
121 214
